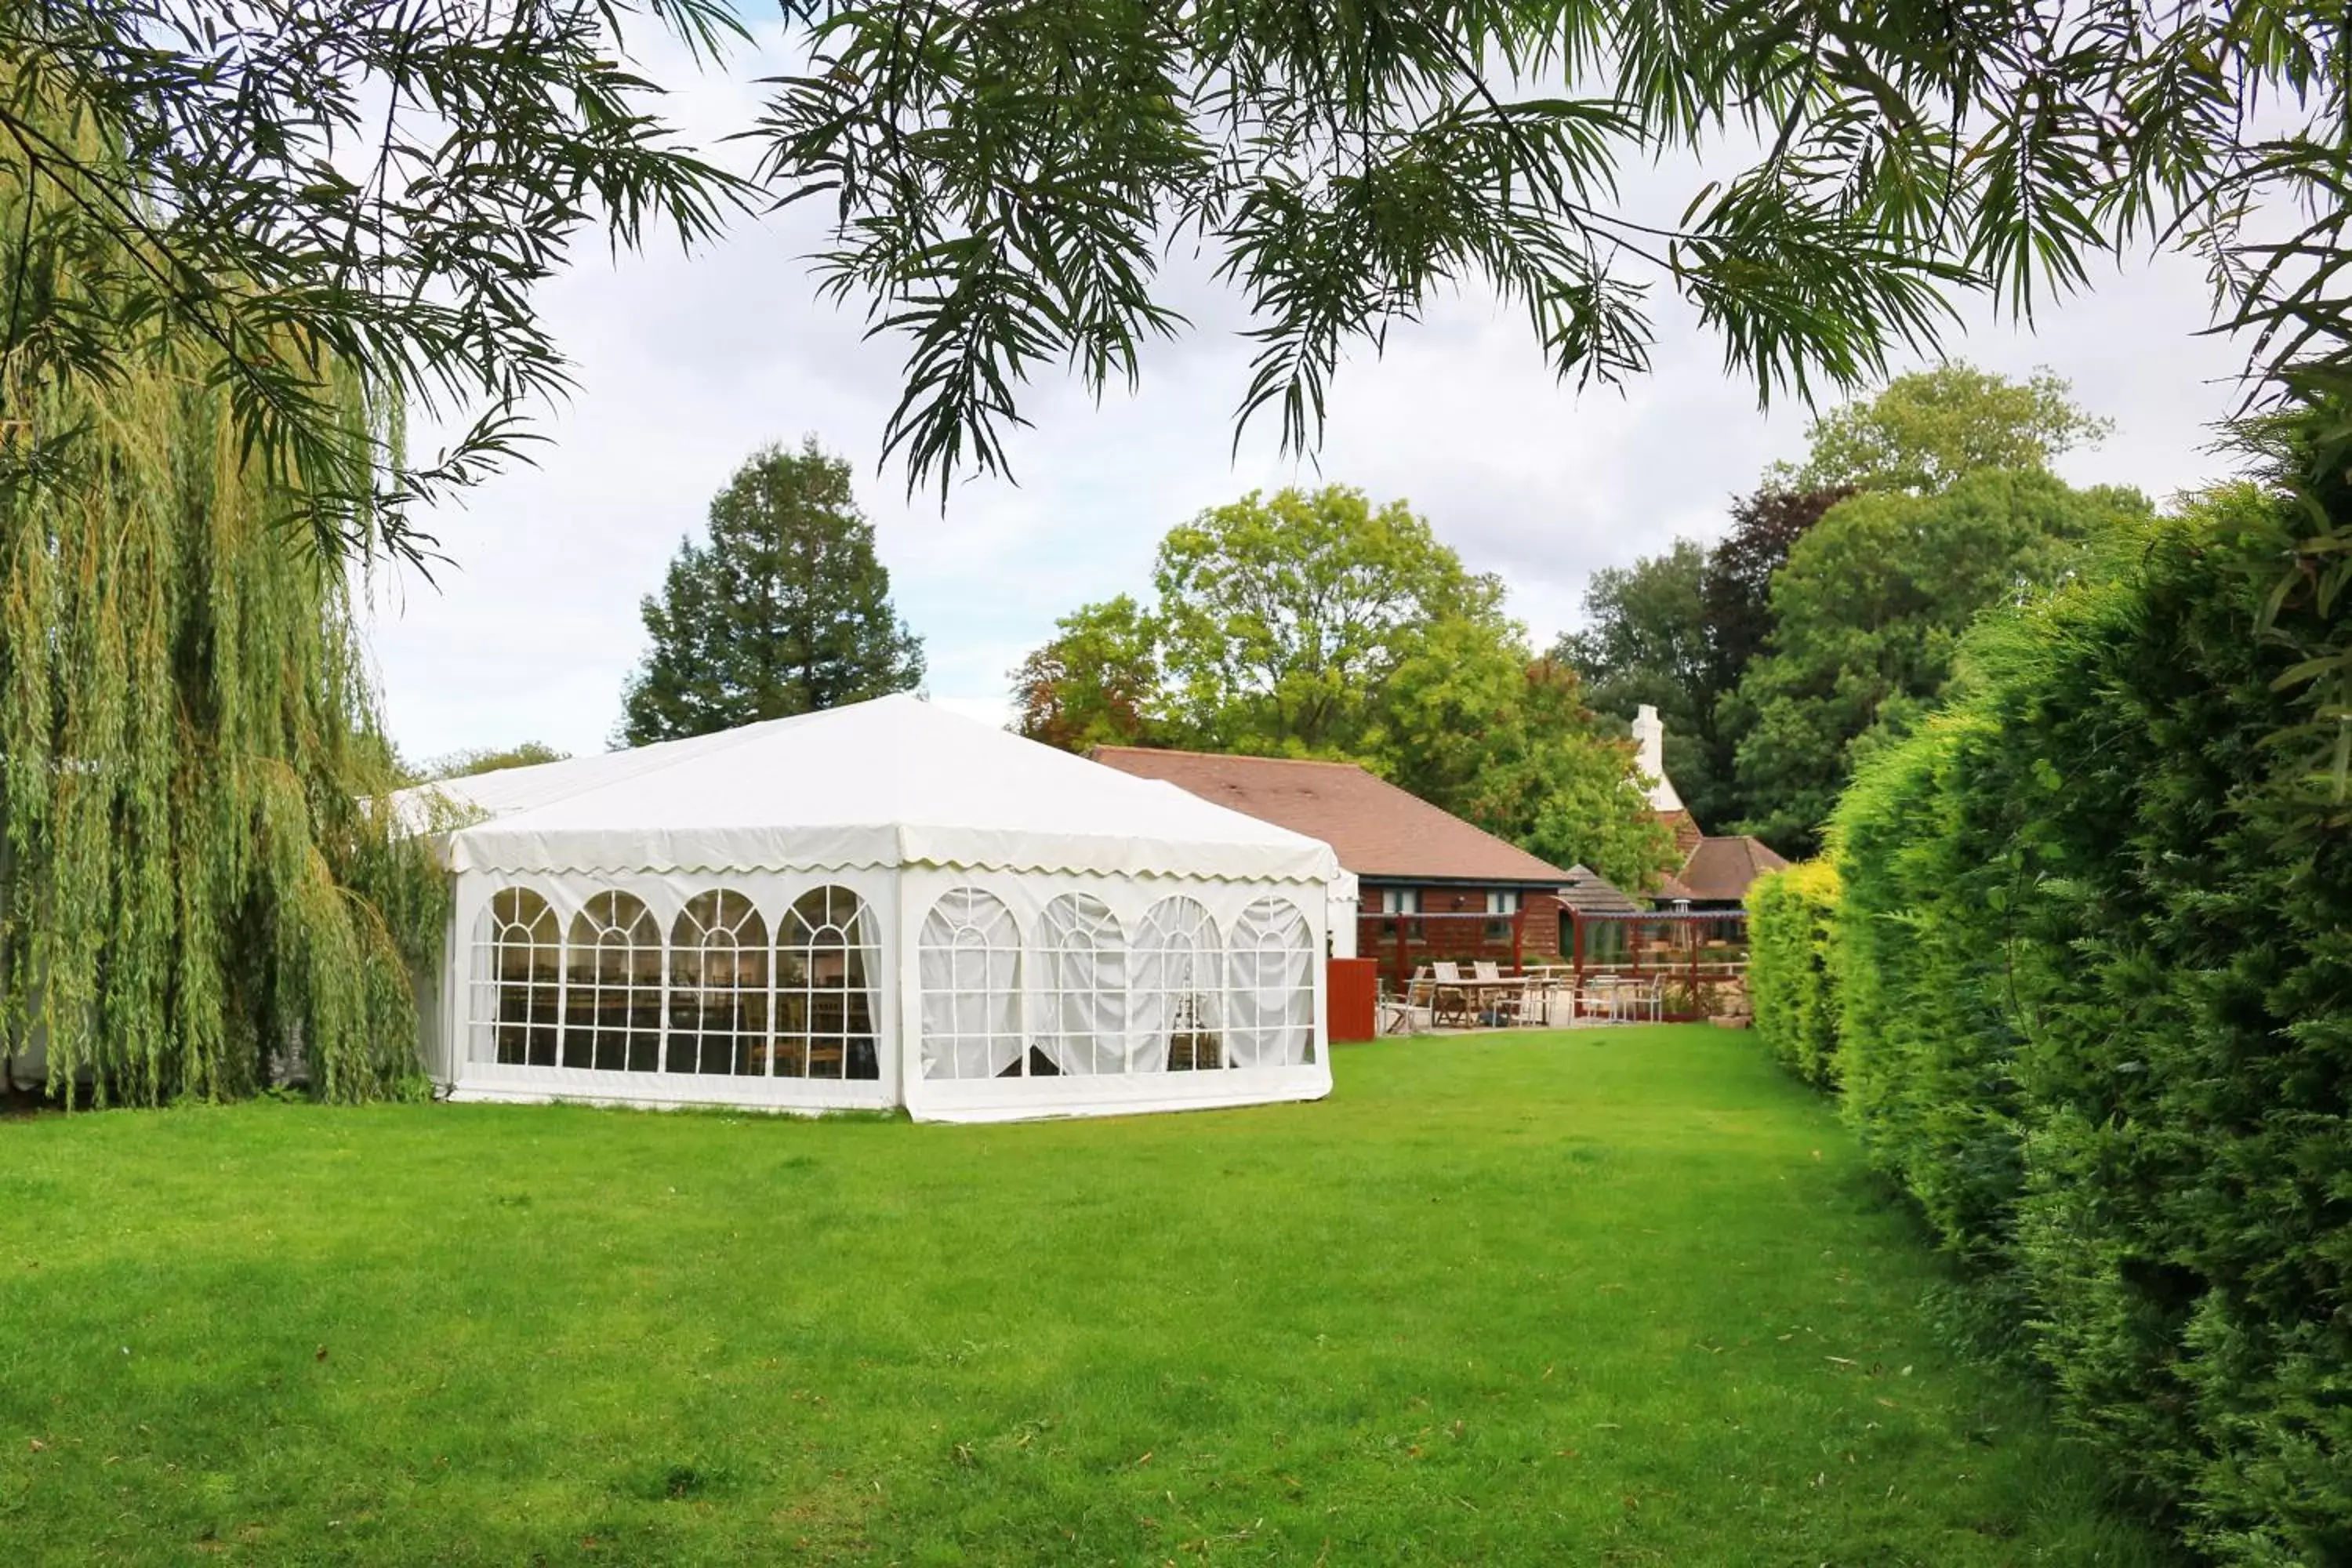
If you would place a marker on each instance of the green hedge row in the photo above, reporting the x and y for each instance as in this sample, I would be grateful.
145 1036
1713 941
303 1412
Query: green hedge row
1790 917
2095 987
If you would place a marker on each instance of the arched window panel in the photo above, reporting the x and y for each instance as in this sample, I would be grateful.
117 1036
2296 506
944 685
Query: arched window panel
1082 989
1270 993
1178 1004
826 964
613 987
719 987
968 965
518 1006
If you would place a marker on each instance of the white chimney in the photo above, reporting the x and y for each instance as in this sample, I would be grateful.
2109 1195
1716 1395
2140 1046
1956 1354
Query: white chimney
1650 747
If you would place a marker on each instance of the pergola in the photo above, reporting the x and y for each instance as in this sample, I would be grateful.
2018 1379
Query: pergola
1692 953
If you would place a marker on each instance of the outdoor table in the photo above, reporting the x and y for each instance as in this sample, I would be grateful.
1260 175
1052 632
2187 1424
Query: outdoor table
1474 994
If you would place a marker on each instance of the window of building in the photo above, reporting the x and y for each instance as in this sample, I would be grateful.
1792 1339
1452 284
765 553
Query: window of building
1083 990
1501 905
826 963
967 967
1178 998
1270 999
1399 901
719 987
613 987
517 1007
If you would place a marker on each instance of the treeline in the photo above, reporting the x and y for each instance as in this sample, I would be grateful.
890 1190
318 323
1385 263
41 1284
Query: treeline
1823 623
2083 972
1318 624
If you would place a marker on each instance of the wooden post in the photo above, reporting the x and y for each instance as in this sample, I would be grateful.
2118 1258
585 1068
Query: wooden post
1576 958
1697 1011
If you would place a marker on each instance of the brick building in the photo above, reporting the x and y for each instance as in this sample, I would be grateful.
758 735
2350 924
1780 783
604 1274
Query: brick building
1432 885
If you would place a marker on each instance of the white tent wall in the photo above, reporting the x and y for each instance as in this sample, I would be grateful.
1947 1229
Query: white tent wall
1341 900
476 1073
1134 1074
619 929
1129 1072
435 1033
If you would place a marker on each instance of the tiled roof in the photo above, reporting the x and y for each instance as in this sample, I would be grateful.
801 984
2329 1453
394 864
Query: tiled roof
1720 869
1595 894
1379 830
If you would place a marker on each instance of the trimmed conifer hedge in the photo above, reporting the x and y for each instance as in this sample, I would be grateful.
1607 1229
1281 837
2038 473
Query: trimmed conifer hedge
2094 950
1791 984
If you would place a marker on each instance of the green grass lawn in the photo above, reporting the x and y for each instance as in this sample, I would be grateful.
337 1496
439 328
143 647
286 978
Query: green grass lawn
1611 1297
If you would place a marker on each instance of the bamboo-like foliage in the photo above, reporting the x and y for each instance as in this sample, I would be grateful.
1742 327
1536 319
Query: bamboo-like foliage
197 894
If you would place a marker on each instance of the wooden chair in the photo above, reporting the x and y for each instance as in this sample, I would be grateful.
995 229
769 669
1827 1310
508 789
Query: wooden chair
1597 1002
1494 999
1192 1046
1449 998
1412 1011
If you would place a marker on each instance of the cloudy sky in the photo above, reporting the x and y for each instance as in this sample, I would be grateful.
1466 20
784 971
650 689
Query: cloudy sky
685 365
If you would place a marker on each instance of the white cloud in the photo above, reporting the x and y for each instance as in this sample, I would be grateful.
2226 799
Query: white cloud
685 366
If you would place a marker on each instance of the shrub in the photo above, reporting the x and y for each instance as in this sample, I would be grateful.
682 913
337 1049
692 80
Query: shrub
1790 984
2095 955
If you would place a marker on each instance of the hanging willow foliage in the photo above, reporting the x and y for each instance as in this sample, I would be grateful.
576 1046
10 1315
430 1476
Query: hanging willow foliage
197 895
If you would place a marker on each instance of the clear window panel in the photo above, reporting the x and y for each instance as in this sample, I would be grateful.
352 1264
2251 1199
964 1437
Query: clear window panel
613 987
826 964
518 968
718 987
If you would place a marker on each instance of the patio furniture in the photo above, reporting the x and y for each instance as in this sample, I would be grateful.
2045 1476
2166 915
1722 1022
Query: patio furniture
1450 997
1620 999
1398 1014
1603 999
1499 999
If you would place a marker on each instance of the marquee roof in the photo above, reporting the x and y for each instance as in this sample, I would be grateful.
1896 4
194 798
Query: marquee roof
888 783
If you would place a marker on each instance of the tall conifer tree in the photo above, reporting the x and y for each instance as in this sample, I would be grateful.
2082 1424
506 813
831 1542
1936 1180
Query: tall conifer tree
784 610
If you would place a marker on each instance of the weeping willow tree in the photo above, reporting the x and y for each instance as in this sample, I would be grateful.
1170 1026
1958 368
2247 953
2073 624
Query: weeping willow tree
200 890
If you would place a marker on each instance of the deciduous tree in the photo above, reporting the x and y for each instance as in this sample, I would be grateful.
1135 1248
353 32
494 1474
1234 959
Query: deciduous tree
1095 683
1283 615
1472 724
334 215
489 760
1646 640
1869 612
1928 428
1318 625
202 888
1736 587
1005 181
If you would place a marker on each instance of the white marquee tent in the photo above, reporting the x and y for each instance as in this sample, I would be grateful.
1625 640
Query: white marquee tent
880 905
